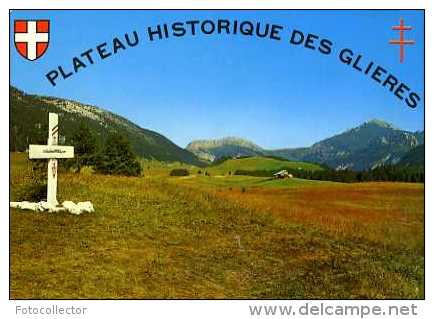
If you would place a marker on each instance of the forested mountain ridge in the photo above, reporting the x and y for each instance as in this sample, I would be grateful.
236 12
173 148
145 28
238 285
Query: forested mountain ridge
29 120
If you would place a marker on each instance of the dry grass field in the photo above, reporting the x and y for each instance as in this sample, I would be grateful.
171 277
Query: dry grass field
219 237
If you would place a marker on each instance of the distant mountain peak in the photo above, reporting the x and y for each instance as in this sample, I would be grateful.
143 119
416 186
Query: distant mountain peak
379 123
366 146
231 146
230 140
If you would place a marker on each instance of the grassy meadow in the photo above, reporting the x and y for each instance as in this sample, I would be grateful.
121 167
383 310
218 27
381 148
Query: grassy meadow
218 236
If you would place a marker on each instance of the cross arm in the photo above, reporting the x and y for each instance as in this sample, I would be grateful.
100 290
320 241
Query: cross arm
50 151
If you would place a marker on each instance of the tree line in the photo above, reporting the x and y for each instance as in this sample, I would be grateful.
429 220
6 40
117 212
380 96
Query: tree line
386 173
115 156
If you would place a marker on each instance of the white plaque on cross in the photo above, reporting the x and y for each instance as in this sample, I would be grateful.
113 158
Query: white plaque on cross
52 152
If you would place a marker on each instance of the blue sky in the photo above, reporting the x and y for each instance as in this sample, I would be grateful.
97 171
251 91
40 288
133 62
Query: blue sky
195 87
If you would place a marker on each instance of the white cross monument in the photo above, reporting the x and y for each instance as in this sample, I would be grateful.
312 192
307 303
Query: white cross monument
52 152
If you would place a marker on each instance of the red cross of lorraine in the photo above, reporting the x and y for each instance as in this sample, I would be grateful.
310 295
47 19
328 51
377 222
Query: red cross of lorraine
402 42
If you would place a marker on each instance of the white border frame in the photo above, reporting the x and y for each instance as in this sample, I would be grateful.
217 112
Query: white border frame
207 308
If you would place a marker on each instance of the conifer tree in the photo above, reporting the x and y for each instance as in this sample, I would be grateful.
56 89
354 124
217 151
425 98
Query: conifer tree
85 146
117 157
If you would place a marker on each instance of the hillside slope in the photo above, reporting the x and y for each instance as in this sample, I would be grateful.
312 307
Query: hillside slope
415 157
365 147
29 118
260 163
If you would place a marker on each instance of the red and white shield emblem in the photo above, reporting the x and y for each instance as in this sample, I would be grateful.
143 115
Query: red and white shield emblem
31 37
